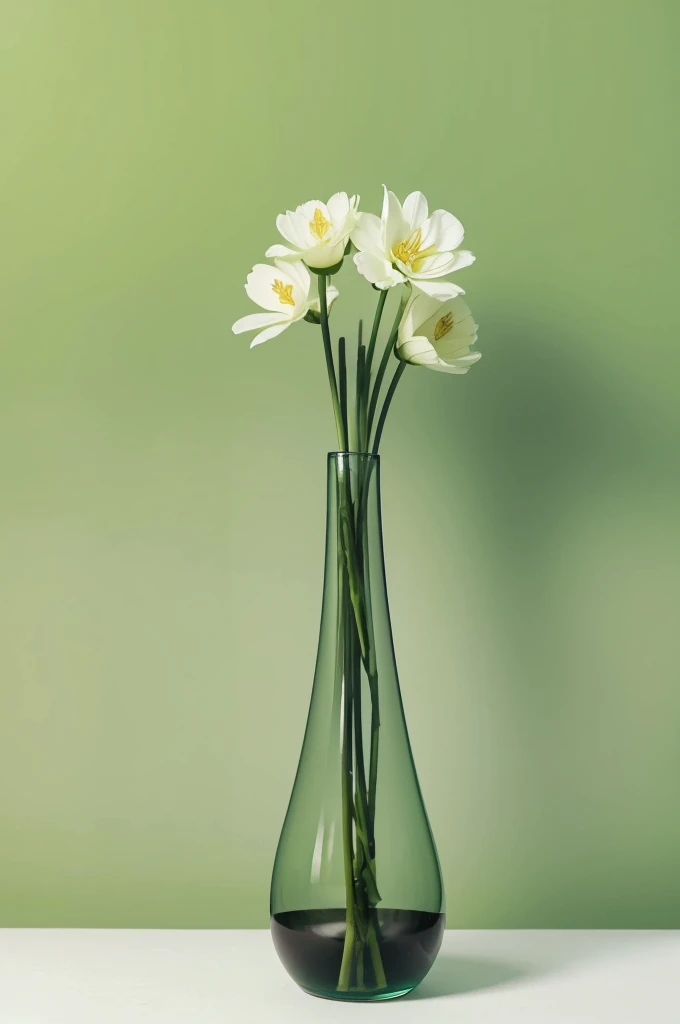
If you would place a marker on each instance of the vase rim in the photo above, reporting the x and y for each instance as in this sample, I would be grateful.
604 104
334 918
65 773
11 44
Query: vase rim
370 456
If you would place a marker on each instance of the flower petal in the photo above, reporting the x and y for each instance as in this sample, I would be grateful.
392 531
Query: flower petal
299 274
308 209
377 270
307 215
451 354
268 286
415 210
460 365
323 256
463 258
256 320
417 350
420 308
462 316
442 264
394 225
317 232
293 229
441 290
367 234
443 230
282 251
338 207
455 309
439 265
456 345
271 332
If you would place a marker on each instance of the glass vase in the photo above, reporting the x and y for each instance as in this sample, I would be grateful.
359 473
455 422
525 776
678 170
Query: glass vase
357 903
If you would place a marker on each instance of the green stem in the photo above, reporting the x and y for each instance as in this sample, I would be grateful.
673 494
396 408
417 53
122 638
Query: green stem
364 858
358 403
361 362
345 977
363 408
348 547
374 950
382 298
386 405
342 372
356 629
389 347
355 647
371 672
363 393
328 350
360 968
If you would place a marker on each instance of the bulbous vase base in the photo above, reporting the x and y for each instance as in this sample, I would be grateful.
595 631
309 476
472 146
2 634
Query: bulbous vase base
310 945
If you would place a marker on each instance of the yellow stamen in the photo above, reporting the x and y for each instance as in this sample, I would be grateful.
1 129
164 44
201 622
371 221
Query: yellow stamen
443 326
318 225
409 252
284 292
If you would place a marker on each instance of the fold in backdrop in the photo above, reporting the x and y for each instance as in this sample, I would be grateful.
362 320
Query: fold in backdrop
161 516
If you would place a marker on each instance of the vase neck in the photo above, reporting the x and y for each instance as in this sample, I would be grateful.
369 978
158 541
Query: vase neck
355 596
354 543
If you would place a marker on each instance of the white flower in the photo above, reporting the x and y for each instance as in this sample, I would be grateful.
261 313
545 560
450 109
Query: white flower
406 244
318 232
437 334
284 290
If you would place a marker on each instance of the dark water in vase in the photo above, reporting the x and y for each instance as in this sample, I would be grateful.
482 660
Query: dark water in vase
310 944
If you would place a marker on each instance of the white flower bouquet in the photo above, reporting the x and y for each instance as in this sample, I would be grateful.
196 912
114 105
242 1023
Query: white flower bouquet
405 249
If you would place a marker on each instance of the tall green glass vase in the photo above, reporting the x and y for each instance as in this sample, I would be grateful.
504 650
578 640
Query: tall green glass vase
356 899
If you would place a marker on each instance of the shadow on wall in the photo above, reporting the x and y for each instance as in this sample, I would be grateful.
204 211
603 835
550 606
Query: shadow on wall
551 426
571 490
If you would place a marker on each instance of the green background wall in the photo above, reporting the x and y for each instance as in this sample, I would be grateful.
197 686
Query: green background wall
161 510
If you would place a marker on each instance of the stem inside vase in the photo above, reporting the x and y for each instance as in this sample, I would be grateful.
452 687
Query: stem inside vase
361 961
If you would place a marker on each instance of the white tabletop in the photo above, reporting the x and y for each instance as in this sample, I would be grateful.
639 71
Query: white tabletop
234 977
